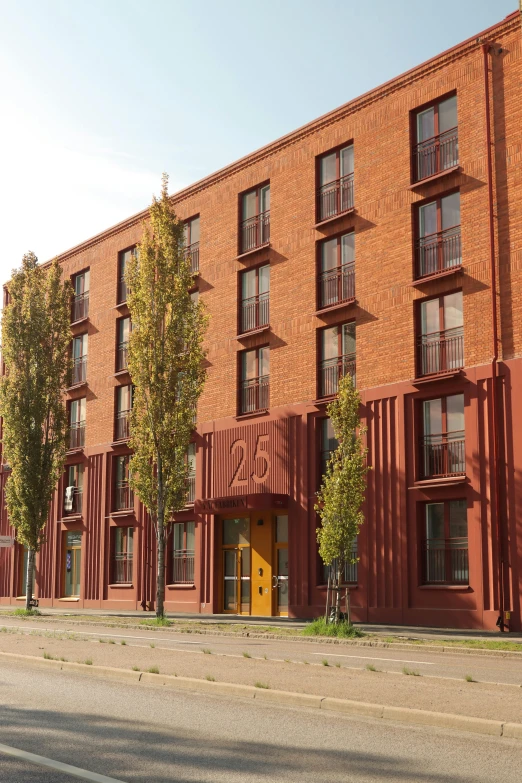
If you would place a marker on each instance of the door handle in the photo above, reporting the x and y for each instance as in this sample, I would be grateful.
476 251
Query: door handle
275 582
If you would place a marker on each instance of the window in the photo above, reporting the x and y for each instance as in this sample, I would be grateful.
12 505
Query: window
437 141
441 340
328 443
337 349
255 380
124 497
123 409
337 275
350 569
80 304
335 194
255 298
123 259
122 554
79 354
438 244
255 219
192 243
124 329
73 498
195 297
183 549
77 415
443 445
445 543
191 460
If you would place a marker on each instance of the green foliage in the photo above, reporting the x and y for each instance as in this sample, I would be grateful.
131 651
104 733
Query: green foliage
159 621
343 629
35 346
25 613
210 678
410 672
263 685
371 668
469 678
153 670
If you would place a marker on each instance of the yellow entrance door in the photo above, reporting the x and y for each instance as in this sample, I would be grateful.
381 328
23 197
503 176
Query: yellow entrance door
261 540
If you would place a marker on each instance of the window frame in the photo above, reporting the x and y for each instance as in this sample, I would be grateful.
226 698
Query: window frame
191 251
320 244
119 413
318 186
414 136
241 354
340 355
262 228
186 553
127 555
421 472
76 425
120 281
423 542
119 344
419 335
121 485
80 301
79 469
454 231
257 304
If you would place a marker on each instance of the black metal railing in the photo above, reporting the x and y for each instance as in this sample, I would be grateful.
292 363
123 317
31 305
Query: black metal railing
191 482
439 252
337 285
444 455
435 155
80 306
77 435
122 356
124 496
122 568
331 370
77 502
79 370
255 312
123 425
350 570
183 566
441 352
445 561
192 253
255 231
335 197
254 394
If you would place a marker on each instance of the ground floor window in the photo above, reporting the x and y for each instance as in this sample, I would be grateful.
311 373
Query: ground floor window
122 554
445 543
183 550
350 569
72 563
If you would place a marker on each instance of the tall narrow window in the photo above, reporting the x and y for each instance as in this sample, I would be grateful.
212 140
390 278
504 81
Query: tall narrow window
80 304
123 259
441 341
337 347
124 497
79 356
437 139
443 441
123 553
77 416
337 275
192 243
124 328
445 543
73 499
328 443
255 298
438 243
183 550
123 409
335 194
191 460
255 219
255 380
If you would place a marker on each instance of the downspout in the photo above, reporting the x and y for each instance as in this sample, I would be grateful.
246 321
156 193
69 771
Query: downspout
486 47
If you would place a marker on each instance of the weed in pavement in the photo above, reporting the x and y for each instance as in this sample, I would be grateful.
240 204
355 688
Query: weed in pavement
123 642
210 678
371 668
325 662
153 670
263 685
469 678
319 627
206 651
246 655
410 672
152 645
88 661
136 669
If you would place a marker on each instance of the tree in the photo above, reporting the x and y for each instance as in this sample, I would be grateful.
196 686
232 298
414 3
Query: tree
166 367
342 492
36 337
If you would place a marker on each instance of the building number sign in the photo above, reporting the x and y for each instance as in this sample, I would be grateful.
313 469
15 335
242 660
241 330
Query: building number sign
250 462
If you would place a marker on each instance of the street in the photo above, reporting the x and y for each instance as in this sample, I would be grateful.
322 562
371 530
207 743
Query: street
144 733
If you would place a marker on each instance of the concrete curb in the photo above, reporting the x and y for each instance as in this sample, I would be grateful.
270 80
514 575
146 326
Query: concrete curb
407 715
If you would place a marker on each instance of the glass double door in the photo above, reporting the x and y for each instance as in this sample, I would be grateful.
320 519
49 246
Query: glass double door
72 564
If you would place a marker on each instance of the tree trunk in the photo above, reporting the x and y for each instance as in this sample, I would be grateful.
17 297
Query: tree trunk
327 614
348 606
338 593
29 576
160 539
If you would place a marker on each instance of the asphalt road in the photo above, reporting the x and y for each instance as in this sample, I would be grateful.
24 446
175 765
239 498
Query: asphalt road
455 666
146 734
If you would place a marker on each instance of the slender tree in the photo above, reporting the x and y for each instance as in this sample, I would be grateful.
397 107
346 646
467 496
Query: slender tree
342 492
166 367
36 338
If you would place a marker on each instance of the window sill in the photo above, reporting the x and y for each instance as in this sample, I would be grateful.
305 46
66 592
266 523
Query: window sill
127 512
254 250
447 481
181 586
76 386
120 442
71 518
80 321
325 400
458 588
436 275
124 585
77 450
70 600
120 304
334 218
252 332
251 414
443 376
435 177
118 373
337 306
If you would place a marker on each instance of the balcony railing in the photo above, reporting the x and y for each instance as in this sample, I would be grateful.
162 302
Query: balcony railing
439 252
255 231
122 290
122 356
255 312
77 435
445 561
435 155
124 497
80 306
444 455
191 495
350 570
192 253
122 425
441 352
77 503
254 394
337 285
183 566
122 568
331 370
79 370
335 197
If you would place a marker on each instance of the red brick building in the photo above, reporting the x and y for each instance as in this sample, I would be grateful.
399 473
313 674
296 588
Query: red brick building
385 240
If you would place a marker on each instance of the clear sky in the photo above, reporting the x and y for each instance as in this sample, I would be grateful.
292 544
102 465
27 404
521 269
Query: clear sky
98 97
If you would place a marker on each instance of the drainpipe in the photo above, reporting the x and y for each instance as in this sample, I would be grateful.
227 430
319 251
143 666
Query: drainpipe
486 47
